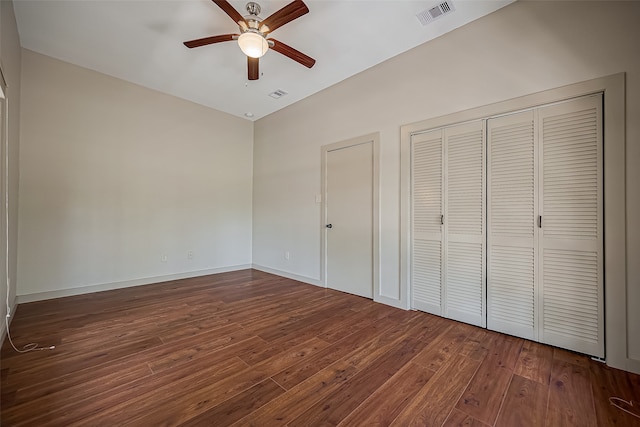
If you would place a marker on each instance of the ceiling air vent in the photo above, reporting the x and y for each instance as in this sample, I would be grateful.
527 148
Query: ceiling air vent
427 16
277 94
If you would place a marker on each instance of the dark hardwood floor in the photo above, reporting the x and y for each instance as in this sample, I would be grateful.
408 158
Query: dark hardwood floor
249 348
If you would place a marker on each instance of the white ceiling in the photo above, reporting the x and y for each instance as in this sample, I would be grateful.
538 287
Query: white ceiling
141 41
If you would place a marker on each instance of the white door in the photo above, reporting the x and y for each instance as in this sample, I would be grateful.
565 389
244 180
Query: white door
464 219
511 223
427 221
570 251
349 219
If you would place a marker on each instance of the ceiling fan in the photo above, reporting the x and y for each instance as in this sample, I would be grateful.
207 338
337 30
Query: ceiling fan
253 33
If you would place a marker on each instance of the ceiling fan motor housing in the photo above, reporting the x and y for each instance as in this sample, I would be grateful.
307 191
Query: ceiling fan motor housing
252 20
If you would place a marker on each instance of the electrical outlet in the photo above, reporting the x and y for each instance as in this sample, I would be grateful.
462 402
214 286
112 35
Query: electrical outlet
189 254
286 255
164 258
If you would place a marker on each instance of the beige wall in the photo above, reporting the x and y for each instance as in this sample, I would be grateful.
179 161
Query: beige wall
114 176
10 59
521 49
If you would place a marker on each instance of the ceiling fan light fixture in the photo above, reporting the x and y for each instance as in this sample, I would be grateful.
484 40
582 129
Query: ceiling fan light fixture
253 44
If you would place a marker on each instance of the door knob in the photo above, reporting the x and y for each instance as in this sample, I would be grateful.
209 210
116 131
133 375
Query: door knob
329 225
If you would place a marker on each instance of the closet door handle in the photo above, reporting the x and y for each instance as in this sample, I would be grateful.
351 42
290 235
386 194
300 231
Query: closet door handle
539 221
441 219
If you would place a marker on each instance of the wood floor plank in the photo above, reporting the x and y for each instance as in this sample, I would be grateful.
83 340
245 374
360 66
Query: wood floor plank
299 372
525 404
352 393
271 349
430 327
570 396
158 407
238 406
206 343
534 362
353 323
193 328
442 347
311 317
504 350
384 405
70 361
484 394
88 410
87 382
286 407
299 398
570 357
475 345
457 418
95 378
433 403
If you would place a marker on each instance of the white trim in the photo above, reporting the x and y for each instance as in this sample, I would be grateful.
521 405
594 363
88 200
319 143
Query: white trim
613 87
39 296
9 305
288 275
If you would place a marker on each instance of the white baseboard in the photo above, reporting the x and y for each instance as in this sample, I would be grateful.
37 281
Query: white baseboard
288 275
39 296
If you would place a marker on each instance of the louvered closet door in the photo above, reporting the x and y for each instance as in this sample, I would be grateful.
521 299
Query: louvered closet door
427 237
511 219
464 281
571 253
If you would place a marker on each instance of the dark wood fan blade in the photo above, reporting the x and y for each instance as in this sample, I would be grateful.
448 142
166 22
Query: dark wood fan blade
210 40
229 10
292 53
292 11
253 67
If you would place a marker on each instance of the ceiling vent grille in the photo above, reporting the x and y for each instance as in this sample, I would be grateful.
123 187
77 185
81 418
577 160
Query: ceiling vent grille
427 16
277 94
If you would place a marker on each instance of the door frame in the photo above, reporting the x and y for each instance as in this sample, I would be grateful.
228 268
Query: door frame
374 140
